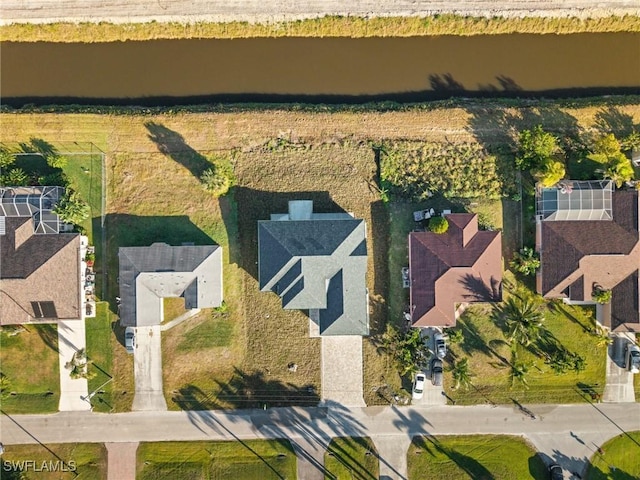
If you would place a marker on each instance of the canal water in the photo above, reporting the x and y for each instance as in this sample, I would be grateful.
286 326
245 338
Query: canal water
322 66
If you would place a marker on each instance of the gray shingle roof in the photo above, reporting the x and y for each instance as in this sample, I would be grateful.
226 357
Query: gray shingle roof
149 274
318 265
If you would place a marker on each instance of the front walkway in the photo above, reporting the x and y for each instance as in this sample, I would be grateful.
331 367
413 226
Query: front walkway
71 338
341 363
121 460
619 382
147 361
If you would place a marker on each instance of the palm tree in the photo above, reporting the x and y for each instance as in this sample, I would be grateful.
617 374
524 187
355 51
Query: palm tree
461 374
519 371
522 317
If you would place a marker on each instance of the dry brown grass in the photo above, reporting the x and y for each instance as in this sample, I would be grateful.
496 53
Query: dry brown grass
172 308
330 26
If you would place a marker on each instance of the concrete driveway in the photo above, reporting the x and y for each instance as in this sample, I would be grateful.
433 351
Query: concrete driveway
619 386
73 391
342 377
148 370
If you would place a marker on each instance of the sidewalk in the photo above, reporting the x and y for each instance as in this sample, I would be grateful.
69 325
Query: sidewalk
71 338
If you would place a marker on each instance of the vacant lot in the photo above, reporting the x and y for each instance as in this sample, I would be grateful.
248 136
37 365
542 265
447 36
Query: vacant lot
351 458
620 459
474 456
154 159
56 461
30 370
240 460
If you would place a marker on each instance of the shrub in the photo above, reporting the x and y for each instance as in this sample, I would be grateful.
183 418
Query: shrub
535 147
601 295
219 178
525 261
71 208
16 177
55 179
438 225
6 159
56 161
549 173
616 166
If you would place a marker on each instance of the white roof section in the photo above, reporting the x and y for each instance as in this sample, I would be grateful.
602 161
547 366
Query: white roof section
150 274
573 200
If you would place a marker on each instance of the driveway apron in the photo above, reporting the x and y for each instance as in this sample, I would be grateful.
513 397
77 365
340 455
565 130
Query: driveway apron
619 381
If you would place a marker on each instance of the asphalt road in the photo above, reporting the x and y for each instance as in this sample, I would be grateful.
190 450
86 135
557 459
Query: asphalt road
125 11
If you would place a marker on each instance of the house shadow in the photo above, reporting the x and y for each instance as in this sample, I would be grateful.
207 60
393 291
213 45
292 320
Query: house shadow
254 205
124 230
173 144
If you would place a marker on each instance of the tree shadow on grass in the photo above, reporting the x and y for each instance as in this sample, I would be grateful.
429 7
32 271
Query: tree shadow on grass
470 466
356 468
172 144
49 335
611 119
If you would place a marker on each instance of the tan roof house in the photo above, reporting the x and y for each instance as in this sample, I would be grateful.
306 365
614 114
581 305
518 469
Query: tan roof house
39 267
587 235
463 265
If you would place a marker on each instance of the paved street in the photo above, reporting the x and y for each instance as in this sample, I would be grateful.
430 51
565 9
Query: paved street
43 11
566 433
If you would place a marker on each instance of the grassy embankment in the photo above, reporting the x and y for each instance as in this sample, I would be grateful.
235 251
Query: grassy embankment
55 461
154 195
329 26
247 459
474 456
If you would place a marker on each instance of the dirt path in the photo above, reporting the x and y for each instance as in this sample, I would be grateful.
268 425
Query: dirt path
119 11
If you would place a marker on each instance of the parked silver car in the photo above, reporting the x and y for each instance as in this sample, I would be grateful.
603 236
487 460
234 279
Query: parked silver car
441 345
632 358
130 339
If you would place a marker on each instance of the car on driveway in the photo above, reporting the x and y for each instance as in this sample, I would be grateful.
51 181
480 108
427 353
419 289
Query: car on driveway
632 358
130 339
436 372
418 386
441 345
555 472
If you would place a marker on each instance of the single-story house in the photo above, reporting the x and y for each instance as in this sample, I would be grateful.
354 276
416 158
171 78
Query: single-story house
587 236
448 270
147 275
317 262
40 267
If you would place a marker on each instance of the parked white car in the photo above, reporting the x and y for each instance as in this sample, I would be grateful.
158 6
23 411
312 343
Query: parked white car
418 386
632 358
130 339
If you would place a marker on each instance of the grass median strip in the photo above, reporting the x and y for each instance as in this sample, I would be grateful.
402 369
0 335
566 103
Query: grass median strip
248 459
499 457
619 458
351 458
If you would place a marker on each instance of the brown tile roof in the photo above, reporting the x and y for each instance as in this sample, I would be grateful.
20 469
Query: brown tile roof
603 252
461 266
41 277
625 305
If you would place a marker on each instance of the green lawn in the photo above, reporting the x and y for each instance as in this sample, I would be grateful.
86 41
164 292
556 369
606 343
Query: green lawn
216 330
100 352
78 461
489 356
620 460
475 457
251 459
29 363
351 458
